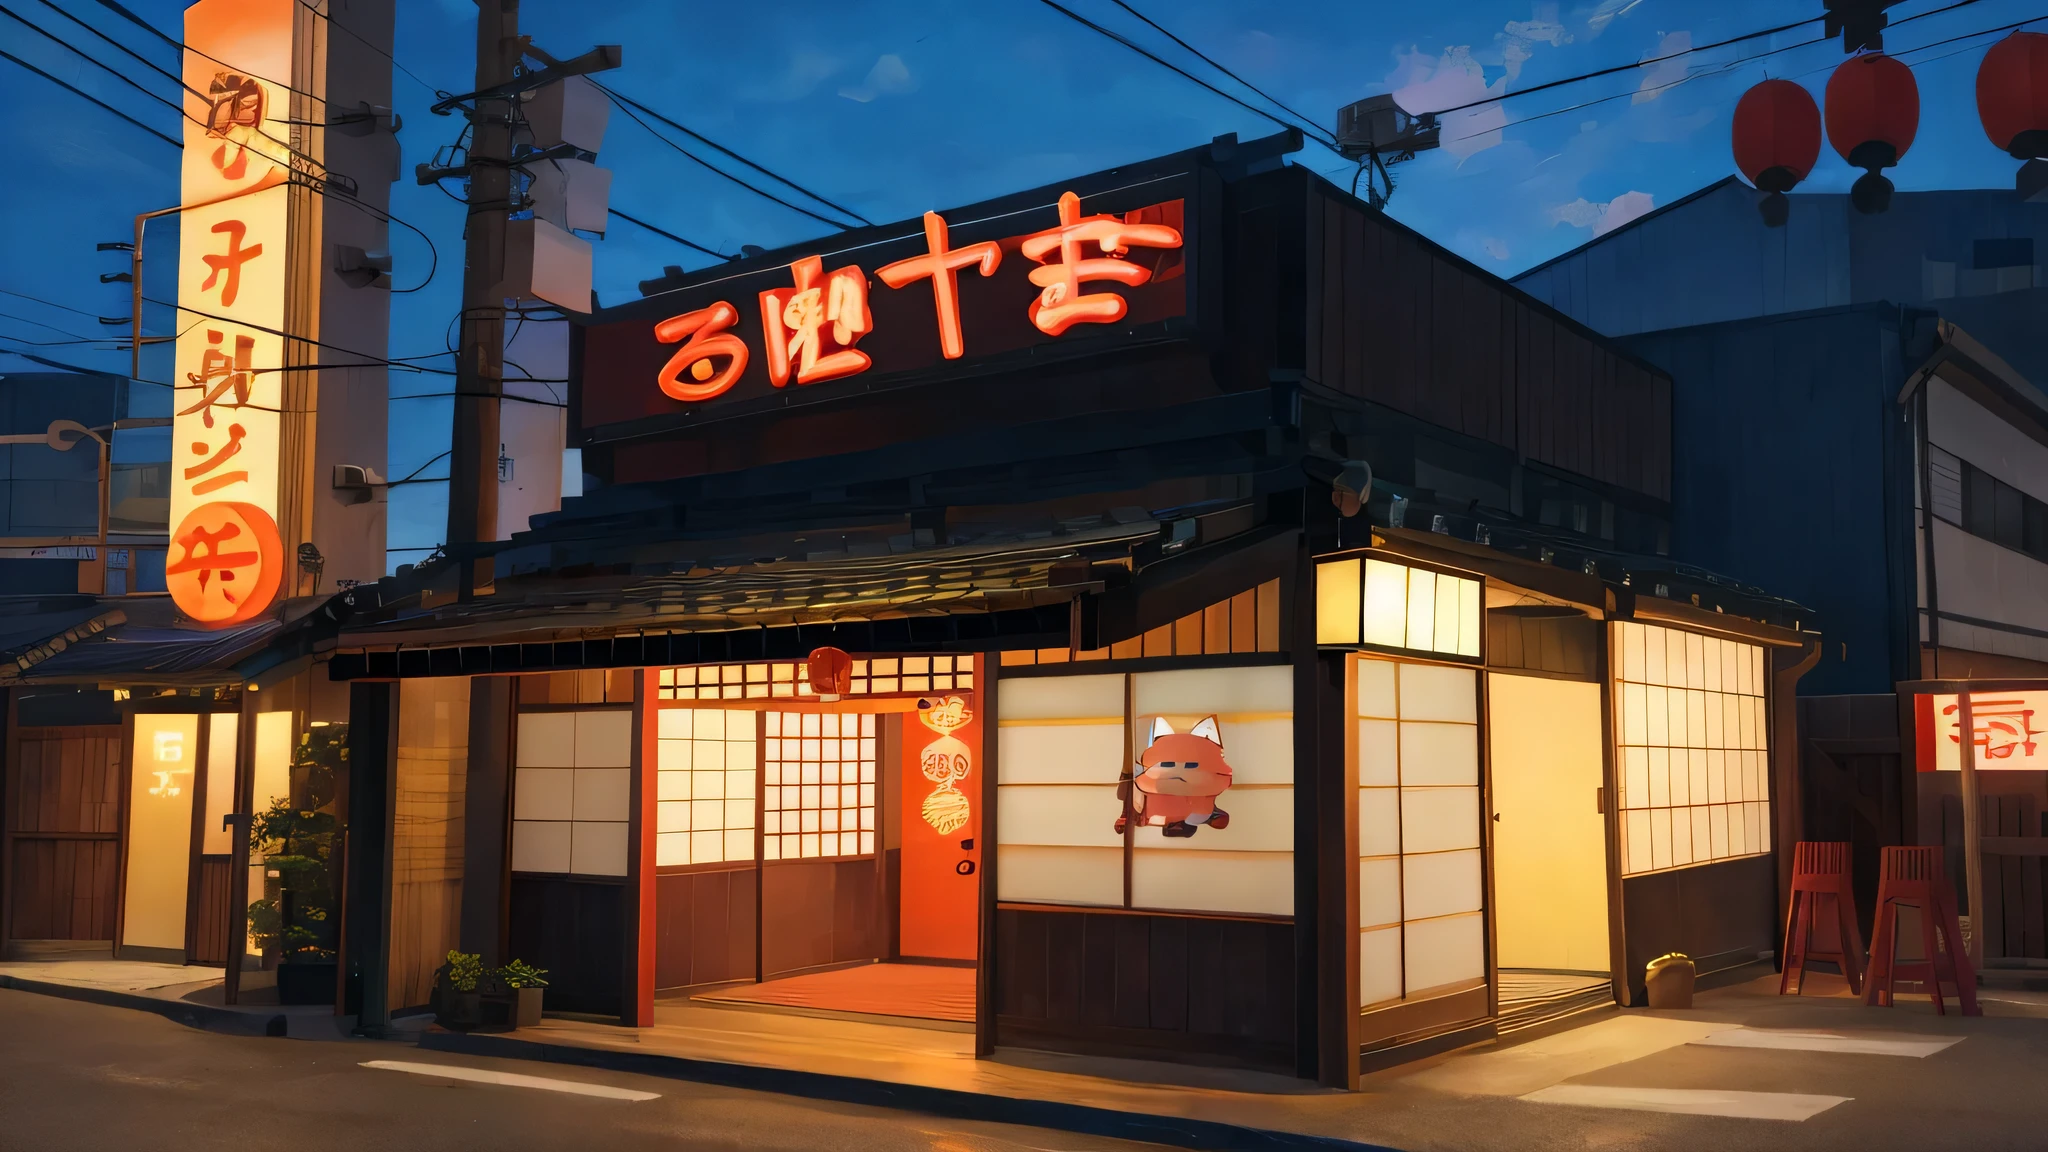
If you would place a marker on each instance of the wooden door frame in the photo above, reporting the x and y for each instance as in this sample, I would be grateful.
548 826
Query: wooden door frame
1610 783
10 776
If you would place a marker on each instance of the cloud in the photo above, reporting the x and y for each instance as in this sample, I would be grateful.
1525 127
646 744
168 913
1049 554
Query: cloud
1495 247
1453 80
1606 12
889 77
807 68
1663 75
1605 217
1519 38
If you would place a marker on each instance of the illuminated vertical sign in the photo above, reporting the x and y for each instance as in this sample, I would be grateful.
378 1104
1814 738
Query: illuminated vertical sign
226 558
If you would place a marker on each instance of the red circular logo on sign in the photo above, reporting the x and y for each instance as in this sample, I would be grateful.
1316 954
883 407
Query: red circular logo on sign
225 563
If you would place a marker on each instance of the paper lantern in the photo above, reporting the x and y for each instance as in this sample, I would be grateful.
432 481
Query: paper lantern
2012 95
1776 139
831 672
1873 113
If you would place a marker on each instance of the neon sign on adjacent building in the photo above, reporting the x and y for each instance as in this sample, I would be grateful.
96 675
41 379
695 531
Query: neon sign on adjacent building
226 558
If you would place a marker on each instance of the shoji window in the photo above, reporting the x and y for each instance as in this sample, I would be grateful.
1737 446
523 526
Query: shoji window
1420 892
572 793
1063 746
1695 749
1391 605
1060 749
819 786
705 764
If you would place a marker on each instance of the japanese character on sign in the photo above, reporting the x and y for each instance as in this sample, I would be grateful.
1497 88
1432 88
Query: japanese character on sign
236 433
813 328
225 562
231 262
708 338
234 113
1062 304
942 264
223 373
2003 728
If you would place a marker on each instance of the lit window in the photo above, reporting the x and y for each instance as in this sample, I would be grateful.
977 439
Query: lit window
1695 748
705 764
818 786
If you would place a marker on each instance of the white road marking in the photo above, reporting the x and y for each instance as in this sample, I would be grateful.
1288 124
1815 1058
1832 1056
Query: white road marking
1862 1044
1791 1106
511 1079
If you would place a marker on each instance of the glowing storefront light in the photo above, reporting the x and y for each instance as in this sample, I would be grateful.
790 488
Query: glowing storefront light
1389 605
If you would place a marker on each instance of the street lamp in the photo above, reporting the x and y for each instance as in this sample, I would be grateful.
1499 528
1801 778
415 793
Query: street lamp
62 436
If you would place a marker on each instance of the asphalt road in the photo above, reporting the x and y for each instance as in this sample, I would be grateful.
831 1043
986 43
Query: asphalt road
79 1076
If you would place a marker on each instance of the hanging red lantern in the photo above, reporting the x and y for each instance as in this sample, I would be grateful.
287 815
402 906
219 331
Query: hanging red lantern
2012 101
1776 140
1873 112
831 673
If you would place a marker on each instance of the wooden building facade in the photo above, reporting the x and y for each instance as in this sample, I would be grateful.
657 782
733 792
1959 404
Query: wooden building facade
1178 613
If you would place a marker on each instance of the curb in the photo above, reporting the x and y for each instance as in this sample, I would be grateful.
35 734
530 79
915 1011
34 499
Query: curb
204 1017
1174 1131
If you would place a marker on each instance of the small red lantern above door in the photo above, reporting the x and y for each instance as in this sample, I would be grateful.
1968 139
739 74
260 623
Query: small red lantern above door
1873 113
1776 140
2012 101
831 672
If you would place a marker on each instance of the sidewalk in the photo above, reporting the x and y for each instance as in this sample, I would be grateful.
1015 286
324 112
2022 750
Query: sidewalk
188 994
1433 1103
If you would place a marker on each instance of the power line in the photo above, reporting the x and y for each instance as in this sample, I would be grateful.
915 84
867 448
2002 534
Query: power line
361 39
1317 134
1206 59
89 96
51 303
691 244
1644 63
153 30
723 150
1728 66
635 117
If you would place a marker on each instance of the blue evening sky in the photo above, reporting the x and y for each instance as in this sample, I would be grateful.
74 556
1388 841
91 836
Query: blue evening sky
894 106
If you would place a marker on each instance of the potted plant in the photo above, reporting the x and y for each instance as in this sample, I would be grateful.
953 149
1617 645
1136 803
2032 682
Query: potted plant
524 984
457 999
295 838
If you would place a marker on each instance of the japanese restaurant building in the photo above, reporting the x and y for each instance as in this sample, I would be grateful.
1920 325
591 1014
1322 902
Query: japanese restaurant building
1179 612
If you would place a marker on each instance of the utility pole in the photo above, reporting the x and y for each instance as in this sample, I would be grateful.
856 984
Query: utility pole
562 130
479 363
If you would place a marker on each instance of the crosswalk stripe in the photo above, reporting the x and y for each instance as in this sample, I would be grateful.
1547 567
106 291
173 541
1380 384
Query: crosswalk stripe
1864 1044
510 1079
1792 1106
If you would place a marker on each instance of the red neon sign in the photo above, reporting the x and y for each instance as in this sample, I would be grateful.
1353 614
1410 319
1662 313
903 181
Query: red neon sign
810 329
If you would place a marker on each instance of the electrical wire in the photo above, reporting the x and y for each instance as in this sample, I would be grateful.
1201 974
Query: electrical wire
180 45
360 39
1206 59
1317 134
51 303
691 244
635 117
409 477
177 106
89 96
723 150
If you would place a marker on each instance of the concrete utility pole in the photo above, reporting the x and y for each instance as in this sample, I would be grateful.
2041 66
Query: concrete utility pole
479 363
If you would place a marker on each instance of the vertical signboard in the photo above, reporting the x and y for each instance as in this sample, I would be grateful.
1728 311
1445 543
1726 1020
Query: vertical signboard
226 558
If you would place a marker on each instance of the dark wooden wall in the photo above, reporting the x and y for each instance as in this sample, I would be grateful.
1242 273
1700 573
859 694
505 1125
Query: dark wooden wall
1396 320
63 831
2012 919
816 913
1138 984
1559 645
705 926
1852 784
1719 914
572 928
206 928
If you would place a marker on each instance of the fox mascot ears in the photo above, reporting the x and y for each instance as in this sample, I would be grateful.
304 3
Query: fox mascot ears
1207 730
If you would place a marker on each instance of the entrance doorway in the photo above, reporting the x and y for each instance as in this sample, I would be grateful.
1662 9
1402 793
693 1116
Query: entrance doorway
864 858
1549 848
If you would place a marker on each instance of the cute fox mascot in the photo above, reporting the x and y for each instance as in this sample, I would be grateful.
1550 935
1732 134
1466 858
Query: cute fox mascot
1178 778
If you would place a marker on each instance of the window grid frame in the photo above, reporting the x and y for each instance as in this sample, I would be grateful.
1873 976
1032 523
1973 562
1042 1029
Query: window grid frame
791 679
666 804
809 785
1734 771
